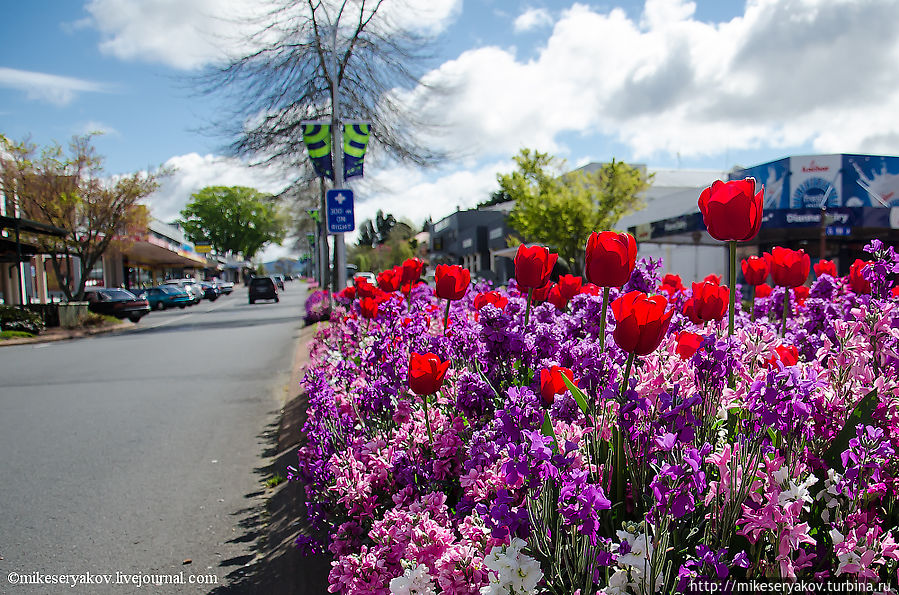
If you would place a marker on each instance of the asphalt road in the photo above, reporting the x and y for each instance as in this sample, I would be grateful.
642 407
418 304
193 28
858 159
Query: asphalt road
130 453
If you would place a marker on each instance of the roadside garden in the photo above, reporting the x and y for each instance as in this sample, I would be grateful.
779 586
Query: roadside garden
621 435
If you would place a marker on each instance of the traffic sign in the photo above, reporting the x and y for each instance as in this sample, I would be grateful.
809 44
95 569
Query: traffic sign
340 210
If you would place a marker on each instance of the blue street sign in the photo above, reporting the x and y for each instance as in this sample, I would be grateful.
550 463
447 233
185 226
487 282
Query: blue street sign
838 230
340 210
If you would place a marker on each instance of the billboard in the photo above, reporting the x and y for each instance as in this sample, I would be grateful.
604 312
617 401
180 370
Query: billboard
814 181
871 181
773 175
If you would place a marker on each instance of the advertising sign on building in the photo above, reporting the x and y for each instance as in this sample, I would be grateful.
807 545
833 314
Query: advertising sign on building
774 177
814 180
871 181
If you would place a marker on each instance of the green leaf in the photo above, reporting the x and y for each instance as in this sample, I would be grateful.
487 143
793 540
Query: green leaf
485 379
577 393
548 430
862 414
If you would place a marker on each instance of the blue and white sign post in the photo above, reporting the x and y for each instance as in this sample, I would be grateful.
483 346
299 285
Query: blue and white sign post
340 210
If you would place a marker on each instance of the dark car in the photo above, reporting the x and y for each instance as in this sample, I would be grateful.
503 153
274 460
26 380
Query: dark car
210 291
166 296
120 303
262 288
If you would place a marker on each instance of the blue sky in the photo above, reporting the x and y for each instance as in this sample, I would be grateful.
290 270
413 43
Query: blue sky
707 84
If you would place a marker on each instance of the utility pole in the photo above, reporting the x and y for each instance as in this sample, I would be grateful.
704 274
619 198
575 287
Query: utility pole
337 161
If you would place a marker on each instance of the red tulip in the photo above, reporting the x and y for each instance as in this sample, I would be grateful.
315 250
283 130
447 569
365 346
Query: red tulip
755 270
490 297
590 289
610 258
895 292
570 285
674 281
541 294
533 266
426 373
687 344
642 321
562 292
789 268
763 290
713 279
801 294
364 289
709 302
368 307
856 281
348 293
551 383
452 281
825 267
391 279
787 354
412 268
732 210
671 284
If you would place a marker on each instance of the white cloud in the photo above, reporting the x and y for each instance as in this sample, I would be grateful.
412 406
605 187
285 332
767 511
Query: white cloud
190 34
184 34
51 88
532 18
783 74
192 172
95 127
415 195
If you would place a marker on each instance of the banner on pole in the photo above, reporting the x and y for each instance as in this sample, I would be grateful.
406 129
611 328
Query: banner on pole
317 137
355 143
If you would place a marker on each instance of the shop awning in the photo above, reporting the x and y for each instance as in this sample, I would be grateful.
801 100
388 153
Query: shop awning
152 252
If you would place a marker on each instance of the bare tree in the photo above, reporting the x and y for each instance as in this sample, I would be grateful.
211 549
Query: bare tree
302 49
69 191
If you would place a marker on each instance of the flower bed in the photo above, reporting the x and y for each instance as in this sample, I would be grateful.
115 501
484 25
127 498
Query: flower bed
570 452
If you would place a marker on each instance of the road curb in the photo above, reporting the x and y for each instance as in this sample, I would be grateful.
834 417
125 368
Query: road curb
59 334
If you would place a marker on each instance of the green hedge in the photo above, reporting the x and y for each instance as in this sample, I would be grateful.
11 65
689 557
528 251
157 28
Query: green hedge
17 319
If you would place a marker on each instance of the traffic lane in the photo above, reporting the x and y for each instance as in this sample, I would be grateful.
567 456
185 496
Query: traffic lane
142 465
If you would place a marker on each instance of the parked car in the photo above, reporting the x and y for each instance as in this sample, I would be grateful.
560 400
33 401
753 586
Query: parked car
191 286
226 286
166 296
370 277
210 291
262 288
113 301
279 281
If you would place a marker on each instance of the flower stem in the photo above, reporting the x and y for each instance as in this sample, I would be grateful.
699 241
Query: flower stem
752 304
446 317
527 310
783 328
732 285
619 435
602 318
428 421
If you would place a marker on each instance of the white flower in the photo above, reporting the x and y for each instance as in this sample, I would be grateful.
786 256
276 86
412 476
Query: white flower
415 581
797 492
513 573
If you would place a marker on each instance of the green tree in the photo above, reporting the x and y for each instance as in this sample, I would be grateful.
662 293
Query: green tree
562 210
398 245
68 189
233 219
375 233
